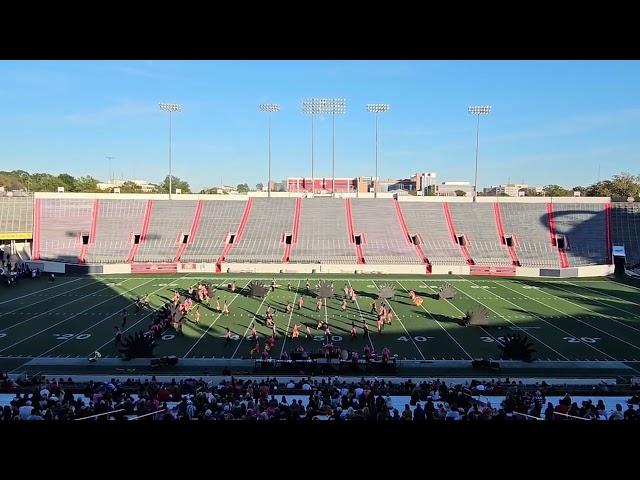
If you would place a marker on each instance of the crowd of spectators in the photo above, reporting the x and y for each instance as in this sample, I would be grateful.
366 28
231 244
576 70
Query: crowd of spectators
268 399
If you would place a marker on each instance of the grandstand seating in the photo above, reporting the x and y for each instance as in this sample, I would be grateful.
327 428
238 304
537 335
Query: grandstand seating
477 223
323 231
118 221
218 219
584 227
262 238
169 220
322 236
529 224
63 222
626 230
427 220
383 239
16 214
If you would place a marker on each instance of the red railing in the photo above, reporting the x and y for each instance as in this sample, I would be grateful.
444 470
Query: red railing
92 231
143 231
407 235
564 261
195 224
454 236
238 235
501 234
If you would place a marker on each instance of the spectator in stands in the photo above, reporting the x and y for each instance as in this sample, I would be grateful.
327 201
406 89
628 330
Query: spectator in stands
630 413
617 413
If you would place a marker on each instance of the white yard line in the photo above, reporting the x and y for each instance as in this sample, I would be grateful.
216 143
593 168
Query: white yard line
290 315
575 318
364 320
43 300
133 325
56 308
124 331
624 300
554 326
463 314
440 325
73 316
505 318
214 322
40 291
597 313
405 328
255 316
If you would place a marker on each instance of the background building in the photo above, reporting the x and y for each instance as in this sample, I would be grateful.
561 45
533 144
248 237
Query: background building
425 183
321 185
145 187
449 189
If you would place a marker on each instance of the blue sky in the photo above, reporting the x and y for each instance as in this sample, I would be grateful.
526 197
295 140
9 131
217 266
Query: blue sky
552 121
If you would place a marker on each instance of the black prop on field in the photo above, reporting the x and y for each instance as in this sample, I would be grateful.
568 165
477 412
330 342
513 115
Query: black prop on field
324 289
138 345
257 289
476 317
386 292
517 347
446 292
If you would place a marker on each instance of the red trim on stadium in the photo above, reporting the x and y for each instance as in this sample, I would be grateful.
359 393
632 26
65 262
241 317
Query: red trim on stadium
143 231
502 235
351 232
192 231
294 231
36 231
407 235
92 231
564 261
454 236
607 211
239 231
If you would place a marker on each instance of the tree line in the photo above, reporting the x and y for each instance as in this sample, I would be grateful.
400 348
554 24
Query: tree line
623 185
46 182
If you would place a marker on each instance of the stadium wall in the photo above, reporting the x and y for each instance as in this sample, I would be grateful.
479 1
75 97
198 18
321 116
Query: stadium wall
313 268
401 198
116 268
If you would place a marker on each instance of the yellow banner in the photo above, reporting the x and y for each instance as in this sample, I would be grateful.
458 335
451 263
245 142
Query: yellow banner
15 235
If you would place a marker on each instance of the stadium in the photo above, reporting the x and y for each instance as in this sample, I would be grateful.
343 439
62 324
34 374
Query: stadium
330 298
461 280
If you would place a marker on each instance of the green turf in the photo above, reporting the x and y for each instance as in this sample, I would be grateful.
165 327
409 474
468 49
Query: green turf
575 319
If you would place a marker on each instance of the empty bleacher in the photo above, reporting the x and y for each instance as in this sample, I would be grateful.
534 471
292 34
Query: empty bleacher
323 234
477 222
218 219
169 220
384 242
625 221
16 214
117 222
62 224
530 225
584 226
262 238
427 220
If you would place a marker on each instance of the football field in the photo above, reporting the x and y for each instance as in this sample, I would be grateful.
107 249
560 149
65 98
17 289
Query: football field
586 319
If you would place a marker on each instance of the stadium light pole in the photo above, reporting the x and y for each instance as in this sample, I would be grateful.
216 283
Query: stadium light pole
170 107
478 110
109 158
330 106
377 108
311 106
334 106
269 108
